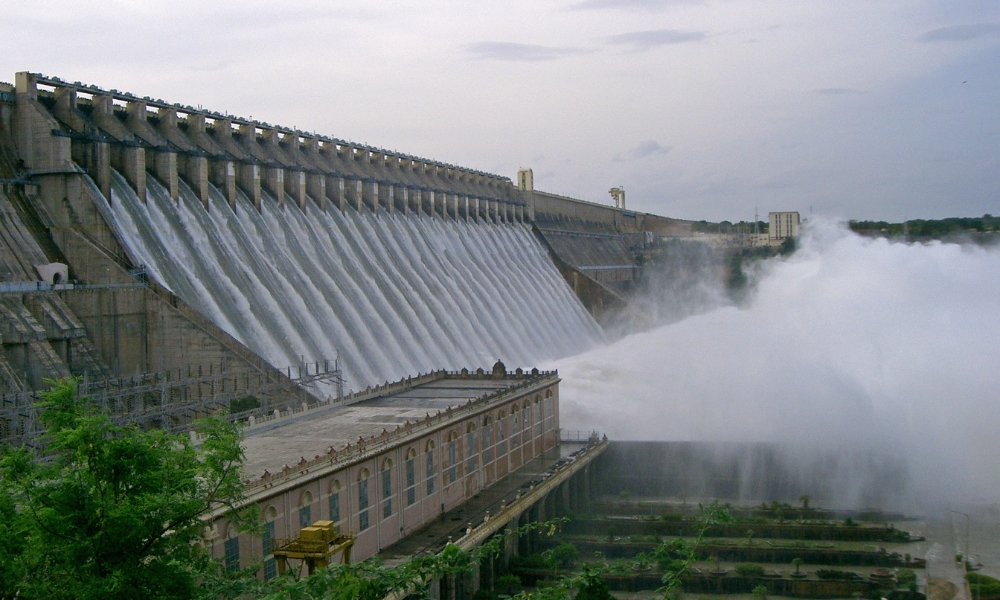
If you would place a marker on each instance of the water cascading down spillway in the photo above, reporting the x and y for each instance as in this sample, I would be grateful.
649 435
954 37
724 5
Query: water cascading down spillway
393 294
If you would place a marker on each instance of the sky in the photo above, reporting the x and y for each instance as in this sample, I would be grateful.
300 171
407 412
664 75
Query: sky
700 109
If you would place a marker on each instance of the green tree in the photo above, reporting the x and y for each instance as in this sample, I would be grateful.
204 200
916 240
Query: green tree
563 556
112 511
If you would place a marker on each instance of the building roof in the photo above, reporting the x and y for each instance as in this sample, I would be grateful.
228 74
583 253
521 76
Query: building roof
314 433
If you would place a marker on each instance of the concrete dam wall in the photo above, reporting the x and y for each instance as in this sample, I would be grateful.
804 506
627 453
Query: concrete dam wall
269 247
392 294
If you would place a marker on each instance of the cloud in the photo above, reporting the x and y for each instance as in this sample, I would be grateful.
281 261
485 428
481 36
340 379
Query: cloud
644 40
512 51
643 149
631 4
959 33
836 91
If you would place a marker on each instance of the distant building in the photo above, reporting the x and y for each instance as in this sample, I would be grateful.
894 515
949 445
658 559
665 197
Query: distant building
782 225
384 466
525 180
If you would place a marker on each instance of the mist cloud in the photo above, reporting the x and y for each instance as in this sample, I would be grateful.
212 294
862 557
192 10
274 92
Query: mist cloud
836 91
849 345
959 33
519 52
644 149
633 4
645 40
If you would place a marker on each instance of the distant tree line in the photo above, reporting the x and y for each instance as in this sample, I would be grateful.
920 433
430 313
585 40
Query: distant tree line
727 227
928 228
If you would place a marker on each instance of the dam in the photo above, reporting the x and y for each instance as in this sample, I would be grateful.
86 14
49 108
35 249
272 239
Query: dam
182 260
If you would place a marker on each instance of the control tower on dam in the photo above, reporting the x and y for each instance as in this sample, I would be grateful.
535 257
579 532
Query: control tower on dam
189 244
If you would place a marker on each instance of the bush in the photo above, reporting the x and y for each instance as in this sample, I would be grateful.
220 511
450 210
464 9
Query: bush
508 584
983 586
750 570
531 562
237 405
483 594
905 577
563 556
594 588
835 574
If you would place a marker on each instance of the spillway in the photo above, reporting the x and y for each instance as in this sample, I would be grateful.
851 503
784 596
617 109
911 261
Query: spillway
393 294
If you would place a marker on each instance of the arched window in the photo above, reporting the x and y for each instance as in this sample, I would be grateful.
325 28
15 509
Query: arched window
363 477
411 476
470 448
386 488
487 442
501 435
429 467
335 500
305 509
232 548
515 426
452 457
270 567
539 415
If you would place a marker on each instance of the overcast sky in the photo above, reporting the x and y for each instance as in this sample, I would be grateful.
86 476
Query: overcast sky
701 109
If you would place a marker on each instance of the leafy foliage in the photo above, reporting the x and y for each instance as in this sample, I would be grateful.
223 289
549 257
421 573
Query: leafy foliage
836 574
508 584
983 587
750 570
112 511
563 556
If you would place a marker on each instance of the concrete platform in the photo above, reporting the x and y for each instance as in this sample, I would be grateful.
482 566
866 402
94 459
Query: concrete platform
315 433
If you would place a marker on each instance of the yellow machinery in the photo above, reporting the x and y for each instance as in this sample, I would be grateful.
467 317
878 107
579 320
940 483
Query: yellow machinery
315 546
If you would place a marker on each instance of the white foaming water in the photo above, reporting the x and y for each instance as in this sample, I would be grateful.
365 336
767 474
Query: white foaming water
872 352
396 295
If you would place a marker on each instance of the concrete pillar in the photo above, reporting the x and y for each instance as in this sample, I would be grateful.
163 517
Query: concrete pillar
249 180
295 185
96 155
476 203
134 158
41 151
224 178
165 168
405 198
316 187
164 164
359 194
465 202
430 199
274 181
390 195
340 193
373 196
418 196
196 171
454 199
127 156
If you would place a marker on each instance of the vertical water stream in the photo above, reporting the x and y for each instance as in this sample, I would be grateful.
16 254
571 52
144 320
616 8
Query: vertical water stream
394 294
